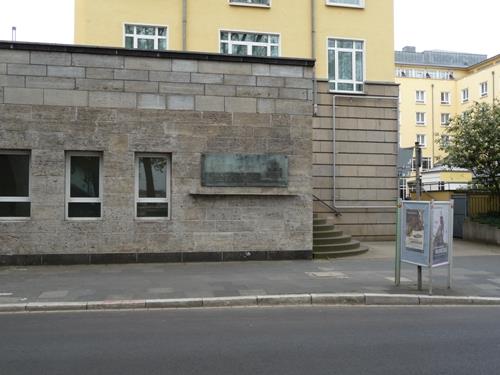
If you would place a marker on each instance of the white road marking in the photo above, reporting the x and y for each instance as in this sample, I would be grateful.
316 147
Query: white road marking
5 294
331 274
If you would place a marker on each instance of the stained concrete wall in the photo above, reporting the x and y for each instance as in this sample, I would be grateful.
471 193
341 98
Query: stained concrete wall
366 132
55 99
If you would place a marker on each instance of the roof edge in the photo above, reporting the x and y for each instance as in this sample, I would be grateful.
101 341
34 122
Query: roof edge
114 51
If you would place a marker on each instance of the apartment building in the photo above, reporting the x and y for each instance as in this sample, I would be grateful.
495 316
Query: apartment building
434 87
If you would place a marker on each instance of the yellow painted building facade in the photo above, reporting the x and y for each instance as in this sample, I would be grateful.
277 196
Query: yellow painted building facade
432 93
298 28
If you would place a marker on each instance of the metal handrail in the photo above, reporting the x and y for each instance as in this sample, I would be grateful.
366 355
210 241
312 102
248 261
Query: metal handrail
333 209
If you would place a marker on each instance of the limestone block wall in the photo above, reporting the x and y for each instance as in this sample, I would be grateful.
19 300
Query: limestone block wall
366 132
55 99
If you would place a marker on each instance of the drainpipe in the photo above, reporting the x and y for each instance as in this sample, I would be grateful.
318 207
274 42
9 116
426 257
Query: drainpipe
184 25
313 56
432 119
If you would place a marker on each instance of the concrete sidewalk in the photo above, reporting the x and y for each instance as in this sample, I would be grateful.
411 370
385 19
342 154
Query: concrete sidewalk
476 273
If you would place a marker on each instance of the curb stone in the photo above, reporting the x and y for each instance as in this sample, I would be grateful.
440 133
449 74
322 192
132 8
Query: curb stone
313 299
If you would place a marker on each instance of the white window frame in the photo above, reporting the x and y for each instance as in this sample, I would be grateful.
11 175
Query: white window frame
336 3
445 97
483 89
420 96
425 160
422 121
447 121
248 3
353 51
250 44
155 37
16 199
67 178
465 98
424 138
168 184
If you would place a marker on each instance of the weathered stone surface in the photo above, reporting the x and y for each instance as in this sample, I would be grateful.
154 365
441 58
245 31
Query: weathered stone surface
112 99
23 96
120 106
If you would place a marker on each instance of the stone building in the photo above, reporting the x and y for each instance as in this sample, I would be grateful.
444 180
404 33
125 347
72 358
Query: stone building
107 155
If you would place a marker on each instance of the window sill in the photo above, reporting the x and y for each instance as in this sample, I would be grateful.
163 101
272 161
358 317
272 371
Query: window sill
328 4
14 219
250 5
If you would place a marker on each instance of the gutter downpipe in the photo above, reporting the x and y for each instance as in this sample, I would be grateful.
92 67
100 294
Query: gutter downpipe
313 56
184 25
334 152
493 87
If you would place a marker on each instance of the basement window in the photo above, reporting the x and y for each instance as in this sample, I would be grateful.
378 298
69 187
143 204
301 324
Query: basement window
254 3
15 200
152 186
347 3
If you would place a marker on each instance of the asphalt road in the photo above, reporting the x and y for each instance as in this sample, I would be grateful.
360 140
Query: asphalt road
333 340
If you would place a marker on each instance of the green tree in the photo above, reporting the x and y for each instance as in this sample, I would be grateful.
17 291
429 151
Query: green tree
474 143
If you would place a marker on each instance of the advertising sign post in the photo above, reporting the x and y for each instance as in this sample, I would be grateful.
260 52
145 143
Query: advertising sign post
425 237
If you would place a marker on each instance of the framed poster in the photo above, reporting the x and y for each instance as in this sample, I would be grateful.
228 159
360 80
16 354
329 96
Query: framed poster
415 232
440 237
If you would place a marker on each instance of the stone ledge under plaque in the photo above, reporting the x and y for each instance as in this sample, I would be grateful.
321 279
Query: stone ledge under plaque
243 191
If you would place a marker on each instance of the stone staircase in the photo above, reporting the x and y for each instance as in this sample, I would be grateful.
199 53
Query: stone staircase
329 242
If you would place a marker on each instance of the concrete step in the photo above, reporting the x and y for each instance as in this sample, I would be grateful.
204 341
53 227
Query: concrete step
327 233
318 221
353 244
323 227
344 238
342 253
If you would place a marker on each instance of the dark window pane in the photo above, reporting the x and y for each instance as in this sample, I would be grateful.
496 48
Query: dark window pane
14 170
224 48
162 44
84 177
239 50
359 66
129 29
331 65
152 177
345 65
152 209
84 210
345 87
162 31
15 209
259 51
129 42
145 44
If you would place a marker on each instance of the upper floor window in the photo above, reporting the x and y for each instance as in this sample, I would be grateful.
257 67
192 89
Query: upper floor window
260 3
146 37
483 88
420 96
420 118
253 44
445 119
465 95
347 3
422 140
346 65
15 200
426 164
445 97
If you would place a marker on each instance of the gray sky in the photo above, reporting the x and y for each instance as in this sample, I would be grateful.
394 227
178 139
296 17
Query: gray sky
453 25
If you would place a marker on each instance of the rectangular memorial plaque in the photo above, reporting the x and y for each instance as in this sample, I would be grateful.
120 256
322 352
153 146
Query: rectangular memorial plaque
263 170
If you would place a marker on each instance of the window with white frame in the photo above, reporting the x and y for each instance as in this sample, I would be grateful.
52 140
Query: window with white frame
262 3
347 3
445 97
465 95
422 140
152 186
445 119
253 44
483 88
15 199
346 65
420 118
83 185
426 163
146 37
445 139
420 96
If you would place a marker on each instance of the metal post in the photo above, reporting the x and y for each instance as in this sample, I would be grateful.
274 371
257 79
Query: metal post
419 277
450 245
397 271
418 163
430 279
